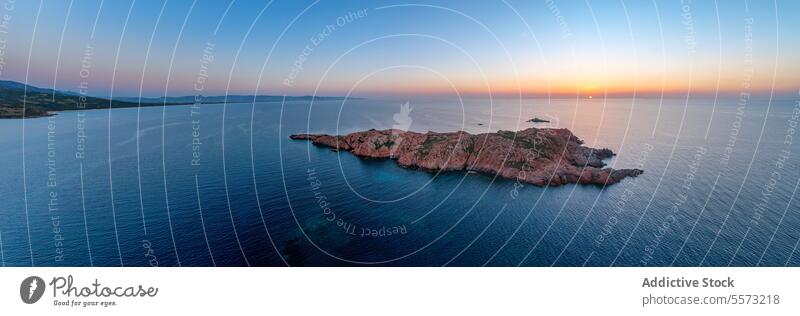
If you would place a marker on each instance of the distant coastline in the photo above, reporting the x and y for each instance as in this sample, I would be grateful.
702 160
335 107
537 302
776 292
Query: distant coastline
41 102
216 99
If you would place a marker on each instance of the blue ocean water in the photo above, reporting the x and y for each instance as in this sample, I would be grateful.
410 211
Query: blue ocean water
223 185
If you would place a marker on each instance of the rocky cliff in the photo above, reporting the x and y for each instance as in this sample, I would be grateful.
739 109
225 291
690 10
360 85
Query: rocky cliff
539 156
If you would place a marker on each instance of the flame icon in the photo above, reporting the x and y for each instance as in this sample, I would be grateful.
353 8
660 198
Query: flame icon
402 119
402 122
33 286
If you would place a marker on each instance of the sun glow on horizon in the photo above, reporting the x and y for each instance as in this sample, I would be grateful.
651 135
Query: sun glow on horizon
607 53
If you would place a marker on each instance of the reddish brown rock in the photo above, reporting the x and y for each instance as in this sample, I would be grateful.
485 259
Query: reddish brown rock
540 156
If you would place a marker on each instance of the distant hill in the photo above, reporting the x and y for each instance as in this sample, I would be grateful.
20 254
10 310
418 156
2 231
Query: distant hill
13 85
42 101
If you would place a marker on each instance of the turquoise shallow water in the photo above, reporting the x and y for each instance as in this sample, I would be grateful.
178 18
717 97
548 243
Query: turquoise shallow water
717 188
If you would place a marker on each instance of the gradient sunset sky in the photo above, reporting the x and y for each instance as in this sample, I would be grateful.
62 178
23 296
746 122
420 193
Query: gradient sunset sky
403 48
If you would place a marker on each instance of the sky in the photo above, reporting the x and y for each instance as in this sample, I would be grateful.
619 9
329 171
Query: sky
402 48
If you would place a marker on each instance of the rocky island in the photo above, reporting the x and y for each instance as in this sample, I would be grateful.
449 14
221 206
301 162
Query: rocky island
538 120
539 156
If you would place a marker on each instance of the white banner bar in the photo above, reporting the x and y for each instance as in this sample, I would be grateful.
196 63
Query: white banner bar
400 291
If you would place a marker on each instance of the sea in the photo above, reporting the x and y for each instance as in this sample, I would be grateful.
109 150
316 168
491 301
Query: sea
223 185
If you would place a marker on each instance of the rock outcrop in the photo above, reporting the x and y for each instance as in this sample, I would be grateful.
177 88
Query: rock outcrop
539 156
